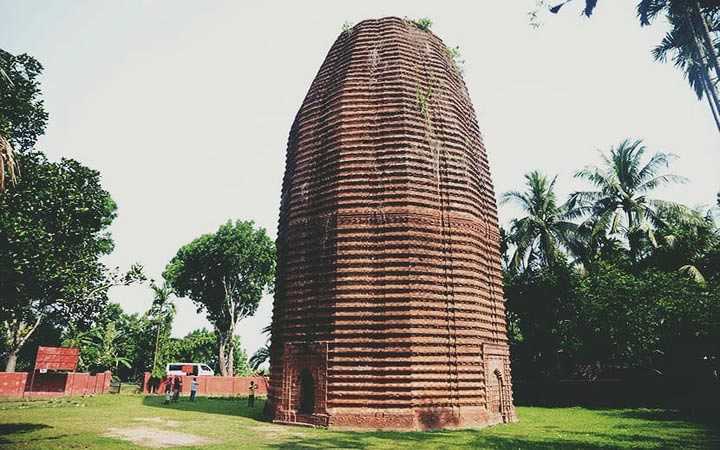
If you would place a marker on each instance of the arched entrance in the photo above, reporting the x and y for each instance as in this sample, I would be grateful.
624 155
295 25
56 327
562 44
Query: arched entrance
306 403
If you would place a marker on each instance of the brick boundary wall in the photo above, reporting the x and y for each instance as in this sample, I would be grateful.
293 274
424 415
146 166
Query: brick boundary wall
212 385
17 384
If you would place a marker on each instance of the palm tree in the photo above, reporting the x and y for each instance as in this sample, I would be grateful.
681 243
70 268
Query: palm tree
687 41
692 37
162 313
686 238
263 353
538 235
260 356
620 203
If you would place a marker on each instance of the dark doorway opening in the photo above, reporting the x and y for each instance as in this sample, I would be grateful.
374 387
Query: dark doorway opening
307 393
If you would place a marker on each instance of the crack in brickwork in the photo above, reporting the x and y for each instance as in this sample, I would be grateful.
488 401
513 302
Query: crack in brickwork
389 282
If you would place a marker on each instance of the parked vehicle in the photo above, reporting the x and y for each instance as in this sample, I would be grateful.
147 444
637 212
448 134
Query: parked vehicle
188 369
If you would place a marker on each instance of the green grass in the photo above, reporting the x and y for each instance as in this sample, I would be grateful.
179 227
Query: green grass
82 422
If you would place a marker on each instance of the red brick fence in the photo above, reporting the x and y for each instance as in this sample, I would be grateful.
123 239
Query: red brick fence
18 384
211 385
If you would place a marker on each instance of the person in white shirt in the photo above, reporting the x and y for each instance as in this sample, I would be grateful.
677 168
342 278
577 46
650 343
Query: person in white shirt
194 385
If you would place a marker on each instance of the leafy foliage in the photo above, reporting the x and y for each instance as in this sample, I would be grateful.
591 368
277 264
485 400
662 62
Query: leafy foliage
619 203
423 23
22 113
538 235
456 58
347 26
225 275
203 346
53 232
642 294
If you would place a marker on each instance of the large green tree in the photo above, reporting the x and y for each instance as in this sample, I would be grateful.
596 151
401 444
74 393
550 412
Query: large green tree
53 233
225 274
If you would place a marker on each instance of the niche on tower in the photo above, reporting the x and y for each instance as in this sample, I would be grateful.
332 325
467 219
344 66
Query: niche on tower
305 384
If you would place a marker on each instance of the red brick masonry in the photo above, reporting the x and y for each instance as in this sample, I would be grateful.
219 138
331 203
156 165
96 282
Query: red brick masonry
389 307
212 385
17 384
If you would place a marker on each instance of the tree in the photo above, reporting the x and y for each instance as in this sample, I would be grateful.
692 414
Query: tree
161 314
22 113
53 232
225 274
540 311
671 322
693 38
689 240
538 235
202 346
262 355
620 202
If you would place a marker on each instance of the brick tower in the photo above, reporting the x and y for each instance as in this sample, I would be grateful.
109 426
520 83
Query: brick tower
389 307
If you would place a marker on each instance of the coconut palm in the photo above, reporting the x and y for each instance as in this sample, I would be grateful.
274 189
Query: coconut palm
263 353
260 356
694 27
686 239
162 313
619 203
690 47
539 235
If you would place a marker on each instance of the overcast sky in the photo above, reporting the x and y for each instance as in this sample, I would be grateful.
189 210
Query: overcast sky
185 107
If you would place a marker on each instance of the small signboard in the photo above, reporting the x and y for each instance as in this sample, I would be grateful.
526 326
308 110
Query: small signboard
57 358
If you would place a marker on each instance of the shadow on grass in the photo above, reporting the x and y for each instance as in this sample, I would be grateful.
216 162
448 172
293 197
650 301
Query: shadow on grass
229 406
432 439
8 430
706 417
557 428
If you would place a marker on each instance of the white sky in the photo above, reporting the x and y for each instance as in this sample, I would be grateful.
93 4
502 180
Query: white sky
185 107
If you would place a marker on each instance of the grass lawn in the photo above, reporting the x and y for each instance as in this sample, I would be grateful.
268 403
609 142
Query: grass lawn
230 424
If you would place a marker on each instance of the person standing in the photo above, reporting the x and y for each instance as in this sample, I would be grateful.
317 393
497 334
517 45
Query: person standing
193 388
168 389
251 397
177 386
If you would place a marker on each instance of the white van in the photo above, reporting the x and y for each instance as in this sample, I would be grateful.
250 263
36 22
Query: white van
188 369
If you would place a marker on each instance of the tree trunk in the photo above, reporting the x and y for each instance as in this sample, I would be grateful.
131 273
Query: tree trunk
231 355
18 334
227 350
705 50
11 361
707 39
224 354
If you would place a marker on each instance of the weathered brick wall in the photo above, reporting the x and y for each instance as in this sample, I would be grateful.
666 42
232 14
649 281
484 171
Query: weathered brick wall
12 384
212 385
53 384
389 278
